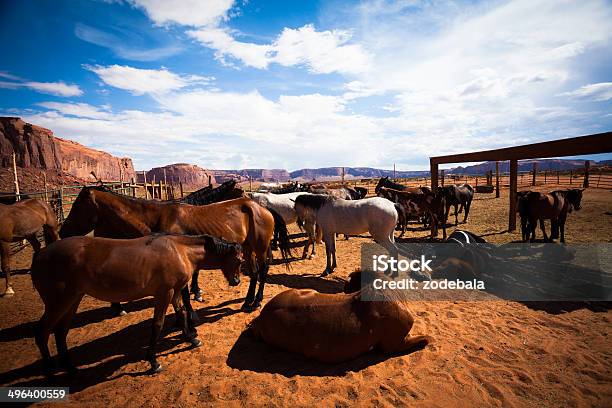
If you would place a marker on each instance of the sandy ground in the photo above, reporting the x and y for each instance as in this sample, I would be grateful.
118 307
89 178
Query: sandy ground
497 353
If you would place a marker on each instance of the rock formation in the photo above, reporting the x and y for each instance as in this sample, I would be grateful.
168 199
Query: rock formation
193 177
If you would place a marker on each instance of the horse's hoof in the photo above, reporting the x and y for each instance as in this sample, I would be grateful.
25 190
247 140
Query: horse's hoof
195 342
325 273
248 307
120 313
155 367
9 292
198 297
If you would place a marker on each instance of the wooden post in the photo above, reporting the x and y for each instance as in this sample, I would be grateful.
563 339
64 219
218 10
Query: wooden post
46 189
434 175
393 171
250 184
598 178
512 195
533 178
181 187
144 175
571 176
587 167
17 196
497 179
544 176
209 180
60 202
161 197
558 177
476 181
133 187
442 177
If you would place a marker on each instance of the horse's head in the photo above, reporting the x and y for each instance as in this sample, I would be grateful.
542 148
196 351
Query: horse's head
574 196
307 205
381 183
227 256
83 214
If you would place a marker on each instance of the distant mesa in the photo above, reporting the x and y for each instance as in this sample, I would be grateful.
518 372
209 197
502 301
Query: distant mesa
193 177
37 147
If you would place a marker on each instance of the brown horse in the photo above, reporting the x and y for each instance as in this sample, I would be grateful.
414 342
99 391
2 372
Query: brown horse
337 327
554 206
240 220
23 220
120 270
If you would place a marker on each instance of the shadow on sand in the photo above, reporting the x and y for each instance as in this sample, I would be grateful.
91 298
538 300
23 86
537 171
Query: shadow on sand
251 354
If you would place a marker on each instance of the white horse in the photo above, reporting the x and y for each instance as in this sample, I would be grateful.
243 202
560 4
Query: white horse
283 204
375 215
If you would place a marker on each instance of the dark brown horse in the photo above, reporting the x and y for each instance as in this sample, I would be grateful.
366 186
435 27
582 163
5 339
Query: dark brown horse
121 270
554 206
459 197
23 220
240 220
422 203
337 327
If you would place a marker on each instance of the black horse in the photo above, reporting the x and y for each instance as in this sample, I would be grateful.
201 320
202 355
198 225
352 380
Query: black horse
458 197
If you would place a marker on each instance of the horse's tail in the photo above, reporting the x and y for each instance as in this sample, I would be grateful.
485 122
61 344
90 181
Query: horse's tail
280 231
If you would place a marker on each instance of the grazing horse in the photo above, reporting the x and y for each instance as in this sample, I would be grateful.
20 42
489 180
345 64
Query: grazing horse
284 205
429 203
23 220
554 206
241 220
375 215
458 196
337 327
121 270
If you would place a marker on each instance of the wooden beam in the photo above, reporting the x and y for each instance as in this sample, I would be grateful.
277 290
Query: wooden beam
434 175
512 195
575 146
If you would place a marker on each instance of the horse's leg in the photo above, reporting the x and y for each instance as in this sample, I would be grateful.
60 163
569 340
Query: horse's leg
334 263
456 219
55 310
195 287
193 316
468 204
405 345
543 228
34 242
161 306
327 238
5 261
561 227
262 268
250 297
117 309
181 311
61 331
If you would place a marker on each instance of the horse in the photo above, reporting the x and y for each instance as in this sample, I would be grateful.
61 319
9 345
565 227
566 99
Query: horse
332 328
429 203
465 260
554 206
458 196
121 270
385 182
283 204
522 207
375 215
341 192
23 220
240 220
362 192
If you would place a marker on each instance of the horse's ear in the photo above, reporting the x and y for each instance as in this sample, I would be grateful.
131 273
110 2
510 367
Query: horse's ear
292 200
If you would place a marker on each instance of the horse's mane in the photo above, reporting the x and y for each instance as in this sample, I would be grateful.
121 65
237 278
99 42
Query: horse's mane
313 201
220 246
105 189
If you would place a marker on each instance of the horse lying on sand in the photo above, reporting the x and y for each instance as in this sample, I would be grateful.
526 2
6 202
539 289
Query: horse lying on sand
337 327
121 270
23 220
333 216
534 206
241 220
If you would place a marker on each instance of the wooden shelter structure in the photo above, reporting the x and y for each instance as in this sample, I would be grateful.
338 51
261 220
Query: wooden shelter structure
575 146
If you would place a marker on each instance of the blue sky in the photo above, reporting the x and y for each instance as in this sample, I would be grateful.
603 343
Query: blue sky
293 84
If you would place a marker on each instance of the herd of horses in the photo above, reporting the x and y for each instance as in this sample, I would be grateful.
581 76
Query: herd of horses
147 248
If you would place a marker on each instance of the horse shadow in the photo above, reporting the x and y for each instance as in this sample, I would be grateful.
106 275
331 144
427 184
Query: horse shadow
102 357
307 281
248 353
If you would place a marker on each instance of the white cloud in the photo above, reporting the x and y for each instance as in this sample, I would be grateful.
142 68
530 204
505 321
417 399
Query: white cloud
58 88
141 81
596 92
322 52
185 12
82 110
